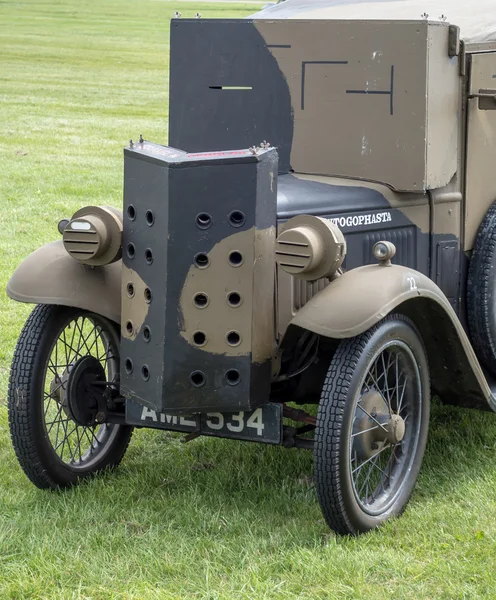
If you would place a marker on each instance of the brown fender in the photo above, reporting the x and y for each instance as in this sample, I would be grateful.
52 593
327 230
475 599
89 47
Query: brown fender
360 298
50 276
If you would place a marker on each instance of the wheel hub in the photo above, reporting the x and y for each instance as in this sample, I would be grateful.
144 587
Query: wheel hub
84 399
376 427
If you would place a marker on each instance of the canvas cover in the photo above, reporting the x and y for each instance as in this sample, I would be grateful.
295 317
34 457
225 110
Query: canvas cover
477 20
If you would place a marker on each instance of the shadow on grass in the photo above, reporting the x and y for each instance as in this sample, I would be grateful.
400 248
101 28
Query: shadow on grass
212 486
461 446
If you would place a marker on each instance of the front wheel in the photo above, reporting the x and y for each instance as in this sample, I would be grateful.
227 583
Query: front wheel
372 426
60 353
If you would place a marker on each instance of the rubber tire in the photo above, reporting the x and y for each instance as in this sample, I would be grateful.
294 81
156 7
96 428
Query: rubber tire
334 421
25 404
481 292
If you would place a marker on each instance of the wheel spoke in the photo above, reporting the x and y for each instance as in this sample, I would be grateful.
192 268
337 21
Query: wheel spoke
364 431
97 338
47 405
81 335
79 443
65 347
371 458
400 400
56 420
371 417
71 345
386 383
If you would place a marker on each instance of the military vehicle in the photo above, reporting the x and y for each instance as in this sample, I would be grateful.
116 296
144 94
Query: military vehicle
309 259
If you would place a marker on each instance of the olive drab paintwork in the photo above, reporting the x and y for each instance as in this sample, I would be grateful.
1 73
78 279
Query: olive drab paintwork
481 145
50 276
365 295
360 109
384 123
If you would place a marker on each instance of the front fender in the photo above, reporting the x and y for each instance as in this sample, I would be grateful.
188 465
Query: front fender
362 297
50 276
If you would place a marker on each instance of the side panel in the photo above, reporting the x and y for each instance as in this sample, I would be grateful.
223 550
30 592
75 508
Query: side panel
343 98
481 147
443 110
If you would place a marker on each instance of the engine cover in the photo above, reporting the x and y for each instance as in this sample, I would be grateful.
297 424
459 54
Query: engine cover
198 330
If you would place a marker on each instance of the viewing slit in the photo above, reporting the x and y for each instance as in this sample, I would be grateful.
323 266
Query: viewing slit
230 87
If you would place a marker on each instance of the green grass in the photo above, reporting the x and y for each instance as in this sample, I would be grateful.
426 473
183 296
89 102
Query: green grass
209 519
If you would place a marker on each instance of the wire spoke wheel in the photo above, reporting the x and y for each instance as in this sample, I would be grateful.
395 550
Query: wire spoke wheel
372 426
386 427
64 360
74 444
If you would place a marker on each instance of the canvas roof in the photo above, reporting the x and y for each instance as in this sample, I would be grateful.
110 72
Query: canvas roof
476 19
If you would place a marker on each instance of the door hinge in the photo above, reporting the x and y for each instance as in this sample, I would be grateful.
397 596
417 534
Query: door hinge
454 41
463 59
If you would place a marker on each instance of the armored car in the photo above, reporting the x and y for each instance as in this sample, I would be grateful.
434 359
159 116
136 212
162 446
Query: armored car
307 261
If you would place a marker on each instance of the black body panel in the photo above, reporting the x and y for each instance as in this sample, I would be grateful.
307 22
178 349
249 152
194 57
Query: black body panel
237 97
364 215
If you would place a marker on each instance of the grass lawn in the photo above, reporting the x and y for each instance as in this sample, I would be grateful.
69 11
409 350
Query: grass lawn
210 519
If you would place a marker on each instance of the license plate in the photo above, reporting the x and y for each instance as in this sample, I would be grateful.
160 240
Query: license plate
263 424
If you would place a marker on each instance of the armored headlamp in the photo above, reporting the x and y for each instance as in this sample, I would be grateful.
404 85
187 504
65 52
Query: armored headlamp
310 248
94 235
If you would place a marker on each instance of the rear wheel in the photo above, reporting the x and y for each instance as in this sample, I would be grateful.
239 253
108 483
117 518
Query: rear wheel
372 426
53 402
481 292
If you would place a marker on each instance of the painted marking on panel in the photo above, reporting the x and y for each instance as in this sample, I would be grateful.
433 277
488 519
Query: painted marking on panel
389 92
314 62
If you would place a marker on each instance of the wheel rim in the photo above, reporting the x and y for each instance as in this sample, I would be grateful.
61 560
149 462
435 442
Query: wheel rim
385 428
77 447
